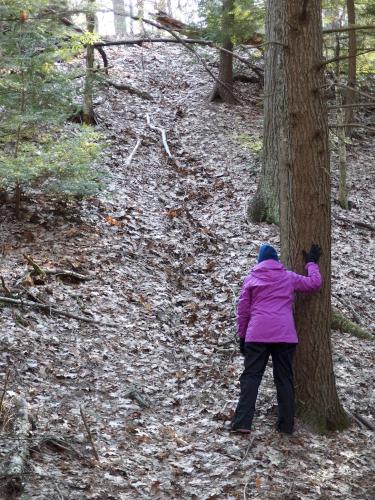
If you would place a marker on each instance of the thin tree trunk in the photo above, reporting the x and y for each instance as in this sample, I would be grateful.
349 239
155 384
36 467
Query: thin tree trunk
264 206
119 17
221 92
305 210
352 66
88 107
343 190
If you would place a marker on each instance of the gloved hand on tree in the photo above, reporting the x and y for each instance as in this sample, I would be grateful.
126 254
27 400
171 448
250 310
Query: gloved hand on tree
313 255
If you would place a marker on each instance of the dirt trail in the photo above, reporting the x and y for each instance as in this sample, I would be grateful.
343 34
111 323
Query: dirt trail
167 249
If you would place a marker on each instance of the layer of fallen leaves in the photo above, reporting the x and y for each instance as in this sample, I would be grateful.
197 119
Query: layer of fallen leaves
168 247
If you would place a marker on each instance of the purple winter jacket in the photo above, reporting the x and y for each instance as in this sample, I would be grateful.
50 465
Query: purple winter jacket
264 312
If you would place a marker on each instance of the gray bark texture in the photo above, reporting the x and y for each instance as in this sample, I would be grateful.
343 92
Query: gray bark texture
119 17
305 209
352 66
264 206
224 92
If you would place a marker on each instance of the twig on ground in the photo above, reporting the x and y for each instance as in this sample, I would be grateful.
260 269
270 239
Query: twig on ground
51 309
91 439
68 274
163 136
135 149
251 441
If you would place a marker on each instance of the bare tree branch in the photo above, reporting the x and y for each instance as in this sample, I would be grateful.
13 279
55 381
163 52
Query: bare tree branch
349 28
355 125
341 58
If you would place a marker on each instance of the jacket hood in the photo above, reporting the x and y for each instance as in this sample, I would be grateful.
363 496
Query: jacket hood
268 270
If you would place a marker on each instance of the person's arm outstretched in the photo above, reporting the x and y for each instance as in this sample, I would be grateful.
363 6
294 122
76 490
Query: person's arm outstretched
243 312
313 281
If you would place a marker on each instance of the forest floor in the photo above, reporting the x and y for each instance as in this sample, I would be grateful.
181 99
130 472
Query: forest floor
167 247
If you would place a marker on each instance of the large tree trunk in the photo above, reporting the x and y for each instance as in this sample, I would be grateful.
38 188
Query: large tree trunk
305 209
352 65
224 92
264 206
119 16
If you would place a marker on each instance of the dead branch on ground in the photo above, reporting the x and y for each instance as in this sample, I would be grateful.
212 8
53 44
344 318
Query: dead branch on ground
53 310
190 41
135 149
130 89
343 324
91 439
365 421
163 135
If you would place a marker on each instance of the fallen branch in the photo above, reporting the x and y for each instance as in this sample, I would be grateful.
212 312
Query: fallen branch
55 310
163 135
135 149
350 28
181 40
14 469
343 324
365 422
356 105
358 223
91 439
57 444
360 92
130 89
190 41
355 125
67 273
342 58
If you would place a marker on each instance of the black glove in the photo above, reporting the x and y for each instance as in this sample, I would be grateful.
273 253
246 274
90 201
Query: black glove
241 343
313 255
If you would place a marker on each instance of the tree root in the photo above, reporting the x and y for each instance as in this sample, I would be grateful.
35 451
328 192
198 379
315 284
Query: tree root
343 324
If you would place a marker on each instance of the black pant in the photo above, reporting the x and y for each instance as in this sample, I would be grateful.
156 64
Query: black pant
256 357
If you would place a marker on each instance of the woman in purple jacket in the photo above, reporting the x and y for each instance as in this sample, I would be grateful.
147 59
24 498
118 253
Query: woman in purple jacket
265 327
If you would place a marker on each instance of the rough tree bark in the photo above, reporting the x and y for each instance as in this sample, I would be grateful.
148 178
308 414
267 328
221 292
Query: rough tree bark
352 66
305 209
264 206
220 92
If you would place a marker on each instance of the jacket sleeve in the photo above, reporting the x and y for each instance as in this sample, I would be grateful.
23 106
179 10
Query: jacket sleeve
310 283
243 309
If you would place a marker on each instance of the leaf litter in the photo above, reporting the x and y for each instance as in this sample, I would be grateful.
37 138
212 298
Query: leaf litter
167 248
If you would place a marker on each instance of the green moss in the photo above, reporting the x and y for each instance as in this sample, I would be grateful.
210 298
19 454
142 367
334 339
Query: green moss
343 324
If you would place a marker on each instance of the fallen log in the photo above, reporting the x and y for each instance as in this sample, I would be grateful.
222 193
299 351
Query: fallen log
13 482
54 310
130 89
343 324
365 421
